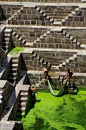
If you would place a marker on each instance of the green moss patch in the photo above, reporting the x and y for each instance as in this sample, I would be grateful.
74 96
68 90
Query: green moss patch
57 113
16 50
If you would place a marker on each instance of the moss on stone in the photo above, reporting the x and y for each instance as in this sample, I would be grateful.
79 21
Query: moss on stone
57 113
16 50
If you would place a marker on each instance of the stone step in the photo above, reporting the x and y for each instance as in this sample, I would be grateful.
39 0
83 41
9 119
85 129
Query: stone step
57 23
23 99
15 61
13 74
14 34
23 104
14 65
13 58
5 43
51 20
7 35
20 39
24 91
19 114
6 39
83 46
5 47
17 36
1 92
24 94
22 109
12 78
24 41
8 30
29 44
13 70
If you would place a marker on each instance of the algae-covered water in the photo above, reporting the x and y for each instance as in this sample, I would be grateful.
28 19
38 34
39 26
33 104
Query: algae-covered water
67 112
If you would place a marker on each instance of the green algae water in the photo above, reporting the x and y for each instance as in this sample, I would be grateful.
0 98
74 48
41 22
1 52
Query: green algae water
16 50
57 113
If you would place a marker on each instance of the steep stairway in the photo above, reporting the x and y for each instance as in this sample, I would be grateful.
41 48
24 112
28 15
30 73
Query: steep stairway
13 74
18 41
23 102
56 38
7 40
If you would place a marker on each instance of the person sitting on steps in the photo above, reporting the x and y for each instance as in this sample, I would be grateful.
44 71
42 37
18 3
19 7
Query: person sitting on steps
69 74
46 75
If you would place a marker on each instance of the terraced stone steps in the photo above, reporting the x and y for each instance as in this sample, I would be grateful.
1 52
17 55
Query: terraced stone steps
13 74
18 41
76 18
44 15
55 13
22 105
56 39
7 39
36 62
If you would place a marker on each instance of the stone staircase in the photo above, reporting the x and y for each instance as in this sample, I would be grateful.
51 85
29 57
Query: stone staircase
35 62
56 39
5 88
14 17
13 74
63 67
18 41
45 16
7 40
55 14
76 18
23 102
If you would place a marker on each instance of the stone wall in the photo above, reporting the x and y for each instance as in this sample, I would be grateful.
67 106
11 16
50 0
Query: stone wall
55 39
14 108
48 1
78 19
2 53
55 57
78 33
29 16
29 33
5 68
78 65
35 76
5 88
8 10
1 12
57 12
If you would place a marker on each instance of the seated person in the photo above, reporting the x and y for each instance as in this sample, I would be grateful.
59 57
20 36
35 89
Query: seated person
46 75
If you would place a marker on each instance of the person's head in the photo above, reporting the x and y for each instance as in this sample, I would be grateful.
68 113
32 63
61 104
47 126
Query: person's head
68 71
32 86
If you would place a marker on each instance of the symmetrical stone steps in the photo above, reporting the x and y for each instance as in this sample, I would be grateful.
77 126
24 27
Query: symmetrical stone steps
36 62
28 15
13 74
6 39
44 15
76 18
16 15
65 65
40 38
54 13
55 57
56 39
18 41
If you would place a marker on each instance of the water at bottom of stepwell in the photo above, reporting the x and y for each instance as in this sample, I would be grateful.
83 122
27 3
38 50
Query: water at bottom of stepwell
57 113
